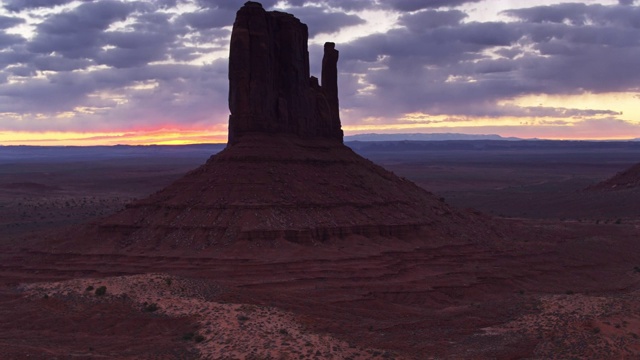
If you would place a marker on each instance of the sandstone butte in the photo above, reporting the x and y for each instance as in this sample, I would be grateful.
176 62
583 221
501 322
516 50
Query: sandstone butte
285 173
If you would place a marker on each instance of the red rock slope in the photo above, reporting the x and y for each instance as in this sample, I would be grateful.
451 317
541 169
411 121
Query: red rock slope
626 179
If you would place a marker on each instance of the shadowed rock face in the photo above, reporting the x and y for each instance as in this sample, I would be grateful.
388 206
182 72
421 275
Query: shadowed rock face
270 88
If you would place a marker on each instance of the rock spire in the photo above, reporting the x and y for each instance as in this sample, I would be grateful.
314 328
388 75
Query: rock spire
270 87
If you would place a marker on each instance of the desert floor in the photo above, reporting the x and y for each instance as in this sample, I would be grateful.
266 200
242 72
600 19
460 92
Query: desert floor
563 282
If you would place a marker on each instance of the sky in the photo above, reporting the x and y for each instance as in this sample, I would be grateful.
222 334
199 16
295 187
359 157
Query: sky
112 72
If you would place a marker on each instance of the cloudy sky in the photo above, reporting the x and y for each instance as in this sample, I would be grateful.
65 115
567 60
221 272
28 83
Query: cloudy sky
142 71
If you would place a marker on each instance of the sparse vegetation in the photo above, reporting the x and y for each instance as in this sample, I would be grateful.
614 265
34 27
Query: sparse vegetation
193 336
149 307
283 332
89 288
242 318
101 290
198 338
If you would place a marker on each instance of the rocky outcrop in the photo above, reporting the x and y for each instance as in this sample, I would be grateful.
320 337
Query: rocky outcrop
627 179
270 87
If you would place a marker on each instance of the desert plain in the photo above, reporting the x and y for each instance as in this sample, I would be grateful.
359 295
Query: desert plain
547 268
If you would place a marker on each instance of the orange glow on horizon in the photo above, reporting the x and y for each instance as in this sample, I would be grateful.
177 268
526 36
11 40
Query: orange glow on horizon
153 137
523 127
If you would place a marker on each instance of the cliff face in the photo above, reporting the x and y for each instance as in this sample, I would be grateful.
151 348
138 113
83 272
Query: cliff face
270 87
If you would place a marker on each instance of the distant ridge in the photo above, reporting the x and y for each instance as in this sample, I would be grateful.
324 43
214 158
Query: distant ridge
426 137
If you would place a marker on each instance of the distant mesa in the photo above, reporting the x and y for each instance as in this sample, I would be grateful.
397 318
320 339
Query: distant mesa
285 173
627 179
426 137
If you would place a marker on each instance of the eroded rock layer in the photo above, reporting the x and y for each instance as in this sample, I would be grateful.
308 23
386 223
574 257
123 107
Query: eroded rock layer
280 187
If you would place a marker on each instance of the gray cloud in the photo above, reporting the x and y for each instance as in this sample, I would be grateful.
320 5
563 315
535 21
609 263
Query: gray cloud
7 40
7 22
321 21
431 19
414 5
20 5
78 33
208 18
440 65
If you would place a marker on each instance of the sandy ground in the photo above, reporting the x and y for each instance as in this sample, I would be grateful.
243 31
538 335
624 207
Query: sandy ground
572 325
226 330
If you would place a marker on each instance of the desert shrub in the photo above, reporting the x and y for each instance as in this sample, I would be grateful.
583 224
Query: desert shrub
619 221
89 288
283 332
569 292
242 318
149 307
101 290
193 336
198 338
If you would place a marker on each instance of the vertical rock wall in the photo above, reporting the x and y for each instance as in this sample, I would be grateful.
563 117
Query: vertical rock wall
270 88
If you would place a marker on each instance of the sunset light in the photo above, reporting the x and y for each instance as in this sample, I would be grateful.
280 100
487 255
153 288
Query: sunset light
142 72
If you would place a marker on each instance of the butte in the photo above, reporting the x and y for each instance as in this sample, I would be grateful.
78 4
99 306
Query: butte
285 174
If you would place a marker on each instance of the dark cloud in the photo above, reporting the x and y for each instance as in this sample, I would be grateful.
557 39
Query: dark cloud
348 5
399 5
579 14
208 18
15 55
233 5
430 19
321 21
78 33
58 63
414 5
149 39
7 40
186 93
545 111
20 5
7 22
440 65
